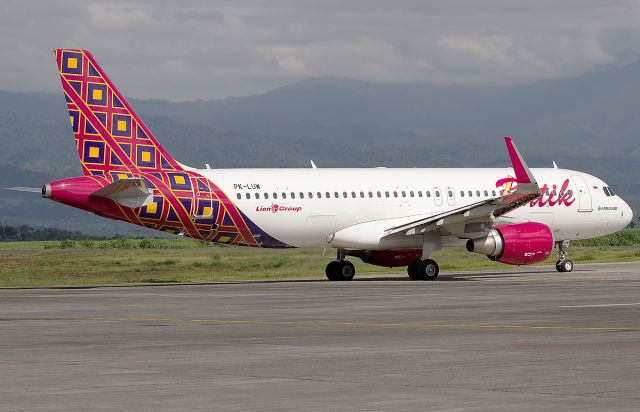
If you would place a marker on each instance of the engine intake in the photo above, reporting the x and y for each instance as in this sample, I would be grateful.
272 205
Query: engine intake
517 244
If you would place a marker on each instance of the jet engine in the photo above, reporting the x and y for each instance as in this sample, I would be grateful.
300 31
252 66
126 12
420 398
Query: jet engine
516 244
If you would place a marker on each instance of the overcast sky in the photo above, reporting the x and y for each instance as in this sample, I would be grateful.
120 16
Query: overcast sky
180 50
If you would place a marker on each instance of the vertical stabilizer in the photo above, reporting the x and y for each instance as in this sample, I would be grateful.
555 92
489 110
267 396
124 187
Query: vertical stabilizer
111 138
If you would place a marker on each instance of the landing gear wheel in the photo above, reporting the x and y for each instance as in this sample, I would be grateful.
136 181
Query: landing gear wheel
413 270
564 266
340 270
331 270
429 269
423 269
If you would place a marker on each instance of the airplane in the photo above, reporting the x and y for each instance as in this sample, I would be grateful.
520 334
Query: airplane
386 217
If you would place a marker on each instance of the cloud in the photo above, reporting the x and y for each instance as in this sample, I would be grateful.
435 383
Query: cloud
210 49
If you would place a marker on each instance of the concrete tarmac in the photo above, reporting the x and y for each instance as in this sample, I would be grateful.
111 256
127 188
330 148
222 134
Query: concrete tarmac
525 339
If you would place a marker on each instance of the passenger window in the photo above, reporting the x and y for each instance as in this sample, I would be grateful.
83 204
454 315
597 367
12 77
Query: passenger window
248 195
239 196
378 194
395 194
353 194
284 195
335 194
266 195
310 195
275 195
419 193
486 193
257 195
293 195
411 193
470 193
386 194
328 195
437 193
493 193
361 194
428 193
370 194
344 194
319 195
450 193
462 193
569 192
478 193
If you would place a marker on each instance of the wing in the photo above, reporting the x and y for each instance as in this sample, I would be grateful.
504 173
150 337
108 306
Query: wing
526 190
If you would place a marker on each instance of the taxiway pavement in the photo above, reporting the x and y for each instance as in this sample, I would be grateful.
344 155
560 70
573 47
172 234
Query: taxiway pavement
530 339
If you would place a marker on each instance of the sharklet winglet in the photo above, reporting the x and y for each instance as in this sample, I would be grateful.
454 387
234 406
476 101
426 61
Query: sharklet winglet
523 174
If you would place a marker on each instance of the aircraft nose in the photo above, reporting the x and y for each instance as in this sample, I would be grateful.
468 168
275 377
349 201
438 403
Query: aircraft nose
627 213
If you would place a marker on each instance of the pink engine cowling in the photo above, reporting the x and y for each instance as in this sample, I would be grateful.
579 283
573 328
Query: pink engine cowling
517 244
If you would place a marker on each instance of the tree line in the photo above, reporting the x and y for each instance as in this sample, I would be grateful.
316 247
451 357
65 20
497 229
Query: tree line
27 233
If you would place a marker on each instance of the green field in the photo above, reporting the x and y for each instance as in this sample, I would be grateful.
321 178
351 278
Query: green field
187 260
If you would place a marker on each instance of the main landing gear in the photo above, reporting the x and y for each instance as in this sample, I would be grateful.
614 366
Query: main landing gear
426 269
563 264
340 270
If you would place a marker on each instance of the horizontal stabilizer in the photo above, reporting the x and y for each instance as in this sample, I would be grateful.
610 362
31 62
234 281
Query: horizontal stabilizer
131 192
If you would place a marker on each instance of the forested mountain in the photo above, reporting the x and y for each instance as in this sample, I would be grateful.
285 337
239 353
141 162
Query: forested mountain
589 123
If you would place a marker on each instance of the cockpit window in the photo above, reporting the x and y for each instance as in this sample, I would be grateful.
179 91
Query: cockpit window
606 191
611 191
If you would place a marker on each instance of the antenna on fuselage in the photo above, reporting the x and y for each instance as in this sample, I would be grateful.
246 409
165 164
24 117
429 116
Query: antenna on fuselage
313 165
555 166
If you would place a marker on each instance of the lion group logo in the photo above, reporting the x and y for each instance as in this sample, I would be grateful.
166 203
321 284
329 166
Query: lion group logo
276 208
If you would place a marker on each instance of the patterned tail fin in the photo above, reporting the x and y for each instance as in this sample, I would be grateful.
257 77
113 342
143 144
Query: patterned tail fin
111 138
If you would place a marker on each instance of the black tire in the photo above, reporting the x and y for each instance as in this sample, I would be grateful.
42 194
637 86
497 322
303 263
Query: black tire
429 269
346 270
413 270
559 266
331 271
340 271
567 266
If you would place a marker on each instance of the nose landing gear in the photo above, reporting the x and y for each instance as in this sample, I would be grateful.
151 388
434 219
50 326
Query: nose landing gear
563 264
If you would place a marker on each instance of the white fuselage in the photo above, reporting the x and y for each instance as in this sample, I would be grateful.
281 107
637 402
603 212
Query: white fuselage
303 207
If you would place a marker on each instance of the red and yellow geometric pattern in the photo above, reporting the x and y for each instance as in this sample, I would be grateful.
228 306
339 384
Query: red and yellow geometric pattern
114 143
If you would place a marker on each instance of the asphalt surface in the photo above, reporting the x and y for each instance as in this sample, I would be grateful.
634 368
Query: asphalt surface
532 339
